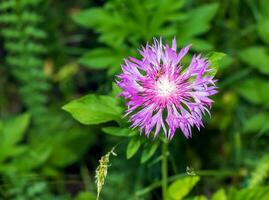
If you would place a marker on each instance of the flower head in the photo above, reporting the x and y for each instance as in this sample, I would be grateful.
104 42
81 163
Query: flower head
162 94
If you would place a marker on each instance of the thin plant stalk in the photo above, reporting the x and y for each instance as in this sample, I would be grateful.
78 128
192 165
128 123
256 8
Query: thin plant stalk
164 169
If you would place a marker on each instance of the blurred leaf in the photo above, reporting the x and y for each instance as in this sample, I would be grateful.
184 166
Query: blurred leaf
17 150
200 44
11 133
70 147
85 196
257 57
200 197
14 129
198 21
256 193
264 7
132 147
257 122
90 17
117 131
34 157
149 151
263 29
219 195
181 187
253 90
261 172
101 58
94 109
66 72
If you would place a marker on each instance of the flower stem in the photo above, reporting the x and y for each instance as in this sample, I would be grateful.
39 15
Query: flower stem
164 169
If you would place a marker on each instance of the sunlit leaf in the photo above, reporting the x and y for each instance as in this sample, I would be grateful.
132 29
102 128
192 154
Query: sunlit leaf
181 187
219 195
85 196
94 109
256 193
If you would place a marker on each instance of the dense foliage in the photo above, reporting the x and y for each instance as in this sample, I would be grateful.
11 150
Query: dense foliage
59 113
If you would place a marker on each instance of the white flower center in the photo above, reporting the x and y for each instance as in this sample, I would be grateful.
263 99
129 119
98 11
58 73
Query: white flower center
165 87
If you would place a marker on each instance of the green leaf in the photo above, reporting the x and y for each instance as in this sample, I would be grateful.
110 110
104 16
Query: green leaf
219 195
149 151
257 122
256 193
117 131
261 172
200 197
214 60
181 187
132 147
264 8
198 22
66 71
257 57
253 90
13 130
94 109
101 58
200 45
263 29
85 196
34 157
70 146
90 17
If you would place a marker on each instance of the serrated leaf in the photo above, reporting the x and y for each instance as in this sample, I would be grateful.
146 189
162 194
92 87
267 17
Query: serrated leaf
149 151
94 109
132 147
181 187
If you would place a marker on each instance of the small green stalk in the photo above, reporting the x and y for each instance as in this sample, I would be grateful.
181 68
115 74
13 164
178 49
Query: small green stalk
164 169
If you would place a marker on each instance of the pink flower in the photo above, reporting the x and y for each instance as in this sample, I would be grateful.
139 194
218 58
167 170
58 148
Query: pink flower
162 94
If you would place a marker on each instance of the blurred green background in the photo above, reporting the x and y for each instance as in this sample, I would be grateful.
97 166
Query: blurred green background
52 52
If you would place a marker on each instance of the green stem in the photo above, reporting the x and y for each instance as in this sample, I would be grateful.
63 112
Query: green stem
157 184
164 169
